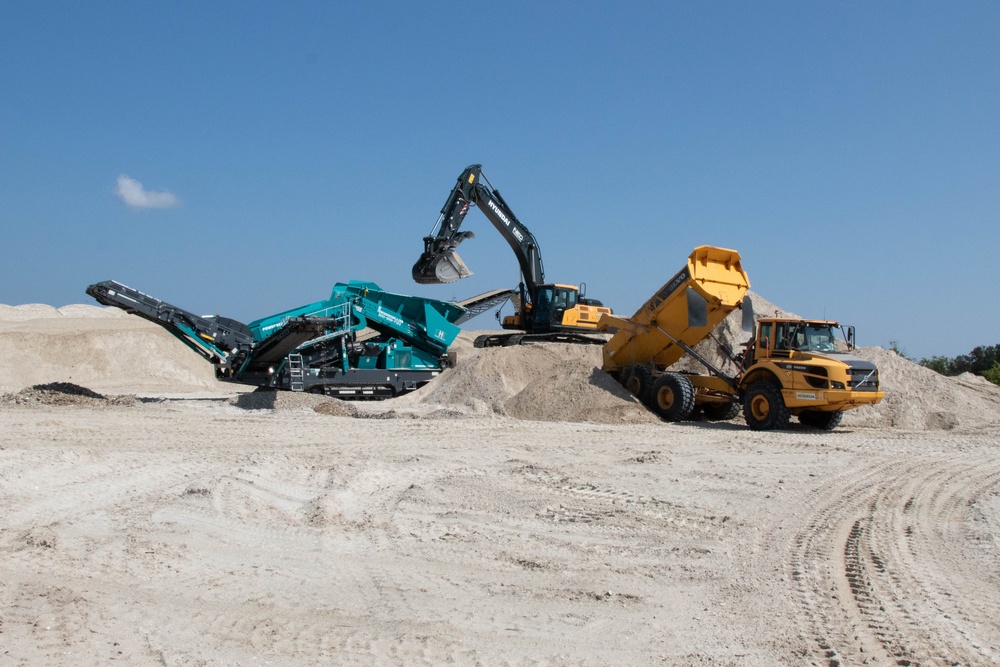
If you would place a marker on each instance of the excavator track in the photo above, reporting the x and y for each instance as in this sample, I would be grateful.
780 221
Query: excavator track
511 339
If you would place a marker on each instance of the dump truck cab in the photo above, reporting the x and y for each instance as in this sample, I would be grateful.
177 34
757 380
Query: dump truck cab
813 361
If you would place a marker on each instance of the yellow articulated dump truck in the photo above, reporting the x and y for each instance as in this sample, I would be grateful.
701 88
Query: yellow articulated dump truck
789 366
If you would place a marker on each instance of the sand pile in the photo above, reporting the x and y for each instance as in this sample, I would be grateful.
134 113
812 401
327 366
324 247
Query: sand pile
38 311
550 382
271 399
917 398
104 349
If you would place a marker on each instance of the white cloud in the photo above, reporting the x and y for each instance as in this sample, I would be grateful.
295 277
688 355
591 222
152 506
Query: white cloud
134 195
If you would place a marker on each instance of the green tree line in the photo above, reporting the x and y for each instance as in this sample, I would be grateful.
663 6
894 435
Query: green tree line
983 360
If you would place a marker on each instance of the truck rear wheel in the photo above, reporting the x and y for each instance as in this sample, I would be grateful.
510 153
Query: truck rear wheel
764 408
826 421
717 412
638 381
672 397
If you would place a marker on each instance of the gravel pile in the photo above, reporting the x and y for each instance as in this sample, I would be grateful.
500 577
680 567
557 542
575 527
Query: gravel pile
64 393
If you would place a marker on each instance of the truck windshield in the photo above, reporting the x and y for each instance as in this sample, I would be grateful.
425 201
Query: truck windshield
813 338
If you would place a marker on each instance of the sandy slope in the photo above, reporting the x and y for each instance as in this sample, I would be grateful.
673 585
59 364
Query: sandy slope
518 511
103 349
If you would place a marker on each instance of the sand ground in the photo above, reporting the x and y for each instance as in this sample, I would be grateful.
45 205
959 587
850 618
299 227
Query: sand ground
470 525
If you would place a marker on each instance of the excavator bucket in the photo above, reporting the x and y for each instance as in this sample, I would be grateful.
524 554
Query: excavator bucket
442 267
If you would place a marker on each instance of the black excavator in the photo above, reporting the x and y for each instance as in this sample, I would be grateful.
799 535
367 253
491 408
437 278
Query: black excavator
544 312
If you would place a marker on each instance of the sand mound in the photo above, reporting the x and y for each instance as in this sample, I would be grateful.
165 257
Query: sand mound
89 346
917 398
578 393
550 382
36 311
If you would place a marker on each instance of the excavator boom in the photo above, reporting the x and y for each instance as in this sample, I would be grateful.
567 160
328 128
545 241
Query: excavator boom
440 263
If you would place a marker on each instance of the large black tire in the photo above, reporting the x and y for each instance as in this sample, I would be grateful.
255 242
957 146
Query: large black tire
672 397
718 412
826 421
638 381
764 408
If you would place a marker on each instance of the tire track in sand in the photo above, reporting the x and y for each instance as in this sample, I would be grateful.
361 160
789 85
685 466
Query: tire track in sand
875 535
917 555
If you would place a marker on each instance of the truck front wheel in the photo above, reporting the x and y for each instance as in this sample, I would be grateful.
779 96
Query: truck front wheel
764 408
672 397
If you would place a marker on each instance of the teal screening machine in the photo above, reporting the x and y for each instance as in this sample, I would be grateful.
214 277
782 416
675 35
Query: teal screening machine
361 343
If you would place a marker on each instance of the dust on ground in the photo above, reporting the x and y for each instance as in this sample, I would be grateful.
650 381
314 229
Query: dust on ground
521 509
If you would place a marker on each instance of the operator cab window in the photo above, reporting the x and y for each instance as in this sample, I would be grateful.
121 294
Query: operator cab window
765 334
567 299
544 307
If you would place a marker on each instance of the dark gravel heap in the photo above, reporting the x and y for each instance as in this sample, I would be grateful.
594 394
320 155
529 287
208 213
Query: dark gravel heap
64 393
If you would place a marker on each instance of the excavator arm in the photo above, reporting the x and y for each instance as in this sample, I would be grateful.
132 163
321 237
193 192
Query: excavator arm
439 262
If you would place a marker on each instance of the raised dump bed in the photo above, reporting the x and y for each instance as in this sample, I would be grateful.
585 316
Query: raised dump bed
685 310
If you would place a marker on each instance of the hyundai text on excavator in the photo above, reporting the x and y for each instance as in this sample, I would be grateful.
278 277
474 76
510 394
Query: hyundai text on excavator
544 312
790 367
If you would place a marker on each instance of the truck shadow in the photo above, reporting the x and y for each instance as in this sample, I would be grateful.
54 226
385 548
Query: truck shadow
739 425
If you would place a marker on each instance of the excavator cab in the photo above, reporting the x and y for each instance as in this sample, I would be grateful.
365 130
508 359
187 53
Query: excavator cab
552 302
564 307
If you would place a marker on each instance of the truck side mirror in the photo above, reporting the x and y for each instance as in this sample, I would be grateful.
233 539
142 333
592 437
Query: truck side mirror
850 338
747 308
583 290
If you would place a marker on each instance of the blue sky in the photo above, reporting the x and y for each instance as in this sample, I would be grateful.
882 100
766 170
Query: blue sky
242 157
